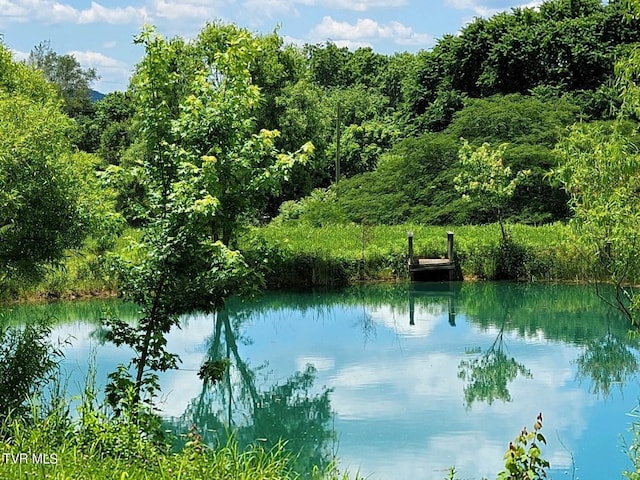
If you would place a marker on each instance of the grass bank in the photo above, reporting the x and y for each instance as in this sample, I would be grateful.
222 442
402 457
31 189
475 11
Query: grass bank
85 272
295 254
48 442
34 455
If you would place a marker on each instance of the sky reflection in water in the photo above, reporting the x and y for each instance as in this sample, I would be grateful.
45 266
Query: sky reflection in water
403 408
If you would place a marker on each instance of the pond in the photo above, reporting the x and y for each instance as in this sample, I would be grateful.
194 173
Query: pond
398 381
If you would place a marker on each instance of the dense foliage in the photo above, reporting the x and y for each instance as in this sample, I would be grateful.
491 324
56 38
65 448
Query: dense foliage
414 180
517 77
43 208
29 362
203 170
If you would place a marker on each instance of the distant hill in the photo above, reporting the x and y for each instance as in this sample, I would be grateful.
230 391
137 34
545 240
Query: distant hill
95 96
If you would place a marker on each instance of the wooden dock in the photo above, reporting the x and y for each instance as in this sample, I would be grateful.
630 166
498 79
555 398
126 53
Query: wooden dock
419 268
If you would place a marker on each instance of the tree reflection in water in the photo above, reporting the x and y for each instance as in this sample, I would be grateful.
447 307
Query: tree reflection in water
290 411
607 361
489 373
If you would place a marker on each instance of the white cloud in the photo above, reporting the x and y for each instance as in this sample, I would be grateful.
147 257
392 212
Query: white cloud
19 55
117 71
258 9
12 11
359 6
96 59
100 14
487 8
271 7
175 10
49 11
366 30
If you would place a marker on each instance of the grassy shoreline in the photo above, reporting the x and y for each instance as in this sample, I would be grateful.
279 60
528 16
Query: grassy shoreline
302 255
299 255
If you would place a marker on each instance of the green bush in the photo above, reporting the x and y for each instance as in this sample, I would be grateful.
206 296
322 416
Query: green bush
29 361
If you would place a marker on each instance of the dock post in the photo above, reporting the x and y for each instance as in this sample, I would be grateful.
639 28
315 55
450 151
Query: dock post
450 254
410 240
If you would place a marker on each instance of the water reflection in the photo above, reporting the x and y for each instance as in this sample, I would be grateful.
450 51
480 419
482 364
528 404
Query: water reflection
291 411
608 361
439 291
400 380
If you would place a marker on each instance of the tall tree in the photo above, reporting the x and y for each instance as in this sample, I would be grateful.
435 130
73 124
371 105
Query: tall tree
205 167
39 210
66 73
485 177
600 170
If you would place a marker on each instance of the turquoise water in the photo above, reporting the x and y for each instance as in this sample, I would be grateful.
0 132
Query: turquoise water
400 381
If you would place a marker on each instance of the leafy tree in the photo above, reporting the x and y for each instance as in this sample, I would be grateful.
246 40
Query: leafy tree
328 64
66 73
563 9
275 69
569 46
302 118
515 119
39 190
362 145
485 177
113 125
600 169
425 77
366 67
204 168
394 79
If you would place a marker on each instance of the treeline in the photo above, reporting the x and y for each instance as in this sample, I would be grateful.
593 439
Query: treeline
518 77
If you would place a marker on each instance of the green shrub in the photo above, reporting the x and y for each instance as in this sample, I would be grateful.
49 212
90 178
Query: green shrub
29 361
523 460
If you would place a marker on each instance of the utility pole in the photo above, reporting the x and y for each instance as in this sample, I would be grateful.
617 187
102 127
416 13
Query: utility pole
338 143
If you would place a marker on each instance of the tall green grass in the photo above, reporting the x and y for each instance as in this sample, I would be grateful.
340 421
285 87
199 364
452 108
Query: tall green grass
83 272
297 254
96 445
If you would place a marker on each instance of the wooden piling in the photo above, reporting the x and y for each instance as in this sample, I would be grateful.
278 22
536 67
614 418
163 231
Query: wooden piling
410 246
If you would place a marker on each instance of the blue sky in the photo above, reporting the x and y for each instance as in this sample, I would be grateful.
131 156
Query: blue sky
100 34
